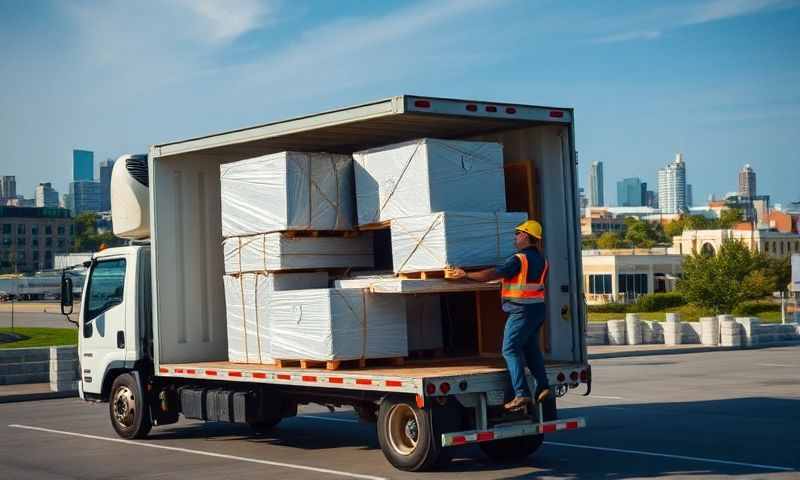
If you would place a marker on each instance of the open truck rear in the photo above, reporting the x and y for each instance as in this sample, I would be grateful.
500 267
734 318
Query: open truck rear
175 319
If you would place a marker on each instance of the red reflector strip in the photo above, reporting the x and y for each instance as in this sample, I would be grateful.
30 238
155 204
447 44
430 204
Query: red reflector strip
283 376
491 108
178 370
163 370
472 108
234 374
336 380
549 428
572 425
556 114
485 436
191 371
363 381
420 401
309 378
259 375
459 439
212 373
393 383
422 104
511 110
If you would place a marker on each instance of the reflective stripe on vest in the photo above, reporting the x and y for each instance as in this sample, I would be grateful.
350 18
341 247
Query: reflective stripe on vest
518 290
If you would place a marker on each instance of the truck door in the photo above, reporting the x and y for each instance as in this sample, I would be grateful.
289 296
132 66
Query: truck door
102 337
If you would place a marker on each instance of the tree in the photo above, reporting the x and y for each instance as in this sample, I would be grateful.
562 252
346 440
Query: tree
729 217
588 243
87 238
609 240
674 228
722 281
640 233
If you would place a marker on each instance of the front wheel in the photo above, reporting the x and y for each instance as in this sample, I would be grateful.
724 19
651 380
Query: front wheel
130 413
406 435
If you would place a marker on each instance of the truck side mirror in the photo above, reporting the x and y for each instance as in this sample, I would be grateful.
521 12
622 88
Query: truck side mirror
66 295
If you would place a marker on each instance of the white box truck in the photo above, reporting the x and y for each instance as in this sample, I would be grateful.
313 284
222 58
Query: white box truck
152 339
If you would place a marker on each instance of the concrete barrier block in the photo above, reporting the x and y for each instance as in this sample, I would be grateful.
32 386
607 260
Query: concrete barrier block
65 386
633 326
24 378
22 355
23 368
709 331
690 332
750 327
64 353
617 332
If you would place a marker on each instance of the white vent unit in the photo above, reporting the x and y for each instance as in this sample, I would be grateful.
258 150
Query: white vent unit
130 197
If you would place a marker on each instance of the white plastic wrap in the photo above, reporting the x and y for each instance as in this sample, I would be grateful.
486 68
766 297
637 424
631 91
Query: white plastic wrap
433 242
276 251
287 191
246 305
428 175
337 324
424 317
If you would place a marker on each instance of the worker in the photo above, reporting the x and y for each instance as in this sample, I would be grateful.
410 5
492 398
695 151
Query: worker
523 277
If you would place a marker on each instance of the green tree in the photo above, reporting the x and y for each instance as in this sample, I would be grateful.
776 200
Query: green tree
87 238
674 228
609 240
640 233
730 217
722 281
588 243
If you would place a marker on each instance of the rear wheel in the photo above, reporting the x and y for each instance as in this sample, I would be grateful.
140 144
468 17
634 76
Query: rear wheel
517 449
129 411
406 436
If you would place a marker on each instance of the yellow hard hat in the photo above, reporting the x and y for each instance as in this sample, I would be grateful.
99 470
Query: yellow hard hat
531 227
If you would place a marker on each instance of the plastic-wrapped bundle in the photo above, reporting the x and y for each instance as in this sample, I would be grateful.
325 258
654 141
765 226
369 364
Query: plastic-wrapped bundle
337 324
428 175
424 316
287 191
432 242
276 251
246 306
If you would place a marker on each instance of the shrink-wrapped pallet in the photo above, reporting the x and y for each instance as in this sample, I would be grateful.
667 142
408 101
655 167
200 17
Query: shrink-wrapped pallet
277 251
247 298
424 317
287 191
428 175
433 242
337 324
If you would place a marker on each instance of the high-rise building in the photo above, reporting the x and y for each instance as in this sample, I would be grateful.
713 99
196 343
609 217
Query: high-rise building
672 186
46 196
8 188
583 202
106 167
689 195
596 185
630 192
650 199
85 197
82 166
747 182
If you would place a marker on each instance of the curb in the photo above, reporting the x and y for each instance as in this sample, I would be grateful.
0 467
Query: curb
677 351
30 397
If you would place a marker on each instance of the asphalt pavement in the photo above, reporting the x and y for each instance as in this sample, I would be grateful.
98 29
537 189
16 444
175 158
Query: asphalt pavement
698 415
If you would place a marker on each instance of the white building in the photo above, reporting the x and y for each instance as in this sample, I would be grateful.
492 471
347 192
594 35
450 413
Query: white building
775 244
46 196
672 186
596 185
623 275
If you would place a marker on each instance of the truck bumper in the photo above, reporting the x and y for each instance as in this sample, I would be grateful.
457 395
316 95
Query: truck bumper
510 431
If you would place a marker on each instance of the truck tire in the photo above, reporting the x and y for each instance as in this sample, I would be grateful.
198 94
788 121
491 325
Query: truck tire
406 435
510 450
129 411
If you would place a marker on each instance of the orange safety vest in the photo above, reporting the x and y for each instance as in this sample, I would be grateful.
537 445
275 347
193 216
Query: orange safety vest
517 289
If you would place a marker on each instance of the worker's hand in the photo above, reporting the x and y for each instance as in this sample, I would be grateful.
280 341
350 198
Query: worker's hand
454 273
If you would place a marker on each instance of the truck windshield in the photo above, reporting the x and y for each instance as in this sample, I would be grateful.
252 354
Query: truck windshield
106 286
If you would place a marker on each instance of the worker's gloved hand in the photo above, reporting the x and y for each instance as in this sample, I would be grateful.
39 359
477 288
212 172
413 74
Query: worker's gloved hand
454 273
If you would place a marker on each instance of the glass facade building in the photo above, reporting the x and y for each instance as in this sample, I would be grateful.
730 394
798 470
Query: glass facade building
82 166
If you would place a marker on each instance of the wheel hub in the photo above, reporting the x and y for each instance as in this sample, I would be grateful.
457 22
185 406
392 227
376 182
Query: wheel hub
403 429
124 407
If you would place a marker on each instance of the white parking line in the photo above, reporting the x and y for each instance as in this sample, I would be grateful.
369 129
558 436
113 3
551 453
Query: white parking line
607 397
200 452
667 455
773 365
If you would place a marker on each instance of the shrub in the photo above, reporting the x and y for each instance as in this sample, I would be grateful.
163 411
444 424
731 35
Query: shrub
608 308
656 302
692 313
752 309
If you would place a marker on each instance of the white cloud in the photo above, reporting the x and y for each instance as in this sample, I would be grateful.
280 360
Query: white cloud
721 9
628 36
227 20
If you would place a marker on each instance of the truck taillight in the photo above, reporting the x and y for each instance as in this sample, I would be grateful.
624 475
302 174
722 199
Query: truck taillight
422 104
491 108
573 376
444 388
430 389
556 114
511 110
584 376
561 377
471 107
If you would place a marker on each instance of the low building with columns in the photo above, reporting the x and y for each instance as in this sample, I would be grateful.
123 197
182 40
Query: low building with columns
623 275
774 244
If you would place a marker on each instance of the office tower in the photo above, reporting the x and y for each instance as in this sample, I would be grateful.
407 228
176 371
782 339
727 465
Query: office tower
82 166
46 196
106 167
583 202
747 182
672 186
689 197
630 192
8 188
85 197
650 199
596 185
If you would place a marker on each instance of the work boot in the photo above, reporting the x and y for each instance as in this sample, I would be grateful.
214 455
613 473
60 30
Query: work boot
542 394
518 403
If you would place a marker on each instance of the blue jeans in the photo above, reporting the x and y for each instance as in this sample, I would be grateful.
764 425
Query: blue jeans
521 346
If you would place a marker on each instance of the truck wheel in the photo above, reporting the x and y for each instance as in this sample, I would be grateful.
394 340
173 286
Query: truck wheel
406 435
509 450
130 414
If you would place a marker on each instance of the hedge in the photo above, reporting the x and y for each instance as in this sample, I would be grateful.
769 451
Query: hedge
608 308
656 302
754 308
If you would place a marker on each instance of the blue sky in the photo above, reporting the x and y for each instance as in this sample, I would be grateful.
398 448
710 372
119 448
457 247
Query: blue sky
714 79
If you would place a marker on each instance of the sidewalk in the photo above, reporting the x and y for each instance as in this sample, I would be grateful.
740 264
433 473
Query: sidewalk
597 352
25 392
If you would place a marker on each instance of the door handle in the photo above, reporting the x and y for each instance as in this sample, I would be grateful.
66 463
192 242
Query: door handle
120 339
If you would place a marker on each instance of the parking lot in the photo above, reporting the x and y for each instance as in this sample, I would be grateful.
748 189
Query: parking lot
701 415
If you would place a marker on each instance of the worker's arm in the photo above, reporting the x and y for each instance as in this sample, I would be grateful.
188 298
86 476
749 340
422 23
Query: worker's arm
486 275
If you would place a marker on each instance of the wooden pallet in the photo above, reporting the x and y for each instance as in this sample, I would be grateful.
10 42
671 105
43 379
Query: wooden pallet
375 226
340 364
320 233
426 275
